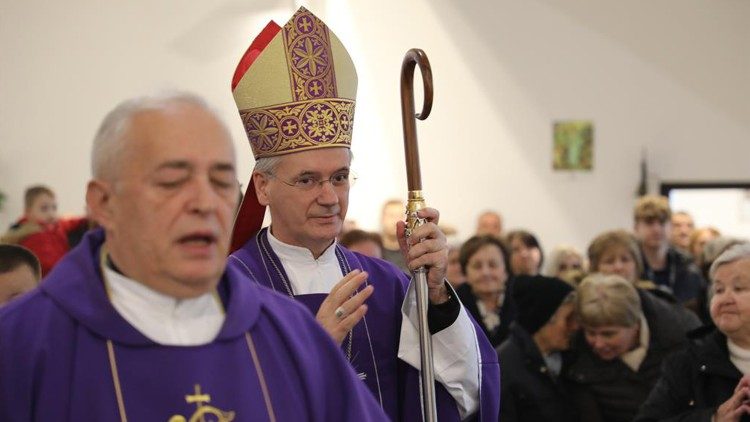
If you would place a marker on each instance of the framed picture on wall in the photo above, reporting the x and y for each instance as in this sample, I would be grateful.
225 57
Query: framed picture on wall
573 145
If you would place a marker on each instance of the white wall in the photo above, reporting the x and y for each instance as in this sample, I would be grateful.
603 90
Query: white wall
667 76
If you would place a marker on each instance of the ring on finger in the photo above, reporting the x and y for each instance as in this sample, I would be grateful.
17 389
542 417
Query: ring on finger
339 312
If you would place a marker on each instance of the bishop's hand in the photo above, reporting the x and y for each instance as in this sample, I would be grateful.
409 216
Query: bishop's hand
340 311
427 247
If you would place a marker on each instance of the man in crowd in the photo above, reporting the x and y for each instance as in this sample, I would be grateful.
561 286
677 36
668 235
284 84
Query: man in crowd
490 223
296 105
667 267
682 228
142 322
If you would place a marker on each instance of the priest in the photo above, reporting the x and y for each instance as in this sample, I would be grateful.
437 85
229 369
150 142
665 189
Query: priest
143 322
295 89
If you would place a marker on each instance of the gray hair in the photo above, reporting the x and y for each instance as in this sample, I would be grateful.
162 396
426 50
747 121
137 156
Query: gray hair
268 165
109 141
717 246
734 253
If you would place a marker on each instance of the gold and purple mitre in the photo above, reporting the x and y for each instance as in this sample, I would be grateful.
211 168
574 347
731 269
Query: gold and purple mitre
295 89
296 92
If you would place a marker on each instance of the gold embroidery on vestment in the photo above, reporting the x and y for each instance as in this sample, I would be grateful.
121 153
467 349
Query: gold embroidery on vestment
203 409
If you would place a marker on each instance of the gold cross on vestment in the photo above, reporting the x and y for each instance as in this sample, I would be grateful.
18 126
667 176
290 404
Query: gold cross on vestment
198 397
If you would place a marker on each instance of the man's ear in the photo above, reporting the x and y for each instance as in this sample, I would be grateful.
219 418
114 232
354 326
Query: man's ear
261 182
99 202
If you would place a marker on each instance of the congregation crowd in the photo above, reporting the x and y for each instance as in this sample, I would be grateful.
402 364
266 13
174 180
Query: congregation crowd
624 331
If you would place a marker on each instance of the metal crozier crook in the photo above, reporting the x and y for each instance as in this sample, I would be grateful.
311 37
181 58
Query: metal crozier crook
415 203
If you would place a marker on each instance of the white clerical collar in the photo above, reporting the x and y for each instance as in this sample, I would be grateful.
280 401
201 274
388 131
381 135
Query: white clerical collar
286 251
161 318
306 274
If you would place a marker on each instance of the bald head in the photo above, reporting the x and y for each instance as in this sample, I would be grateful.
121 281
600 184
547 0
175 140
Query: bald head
490 223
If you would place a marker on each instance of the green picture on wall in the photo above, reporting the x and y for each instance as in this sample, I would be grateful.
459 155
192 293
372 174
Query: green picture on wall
573 147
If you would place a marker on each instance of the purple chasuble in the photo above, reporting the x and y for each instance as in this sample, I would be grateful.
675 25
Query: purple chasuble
372 348
66 354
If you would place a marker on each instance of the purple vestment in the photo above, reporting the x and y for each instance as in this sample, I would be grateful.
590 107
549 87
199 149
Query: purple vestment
373 346
66 354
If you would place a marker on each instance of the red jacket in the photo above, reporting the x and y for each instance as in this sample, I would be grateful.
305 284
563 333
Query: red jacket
50 244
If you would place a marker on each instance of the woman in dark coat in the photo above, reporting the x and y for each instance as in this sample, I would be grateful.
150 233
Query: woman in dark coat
706 382
694 381
627 334
532 358
484 262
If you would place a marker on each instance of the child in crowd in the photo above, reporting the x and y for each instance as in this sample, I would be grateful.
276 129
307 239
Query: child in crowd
19 272
40 230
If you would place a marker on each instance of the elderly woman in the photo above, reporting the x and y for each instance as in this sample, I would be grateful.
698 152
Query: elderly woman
625 337
526 255
714 248
484 262
533 357
709 380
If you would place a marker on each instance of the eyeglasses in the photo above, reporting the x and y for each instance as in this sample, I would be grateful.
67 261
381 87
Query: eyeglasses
343 179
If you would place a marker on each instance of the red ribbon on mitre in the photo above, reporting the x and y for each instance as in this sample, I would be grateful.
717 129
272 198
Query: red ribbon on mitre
249 218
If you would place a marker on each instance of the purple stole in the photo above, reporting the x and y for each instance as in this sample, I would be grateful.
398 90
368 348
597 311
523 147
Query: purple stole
373 345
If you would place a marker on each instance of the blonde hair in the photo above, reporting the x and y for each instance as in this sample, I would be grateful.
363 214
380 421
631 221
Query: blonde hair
608 300
558 255
652 207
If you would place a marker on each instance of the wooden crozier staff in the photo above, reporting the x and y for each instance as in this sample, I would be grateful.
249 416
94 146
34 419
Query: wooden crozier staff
415 203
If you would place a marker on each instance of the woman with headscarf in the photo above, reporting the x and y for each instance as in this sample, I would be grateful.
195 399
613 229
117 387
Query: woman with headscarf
533 357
